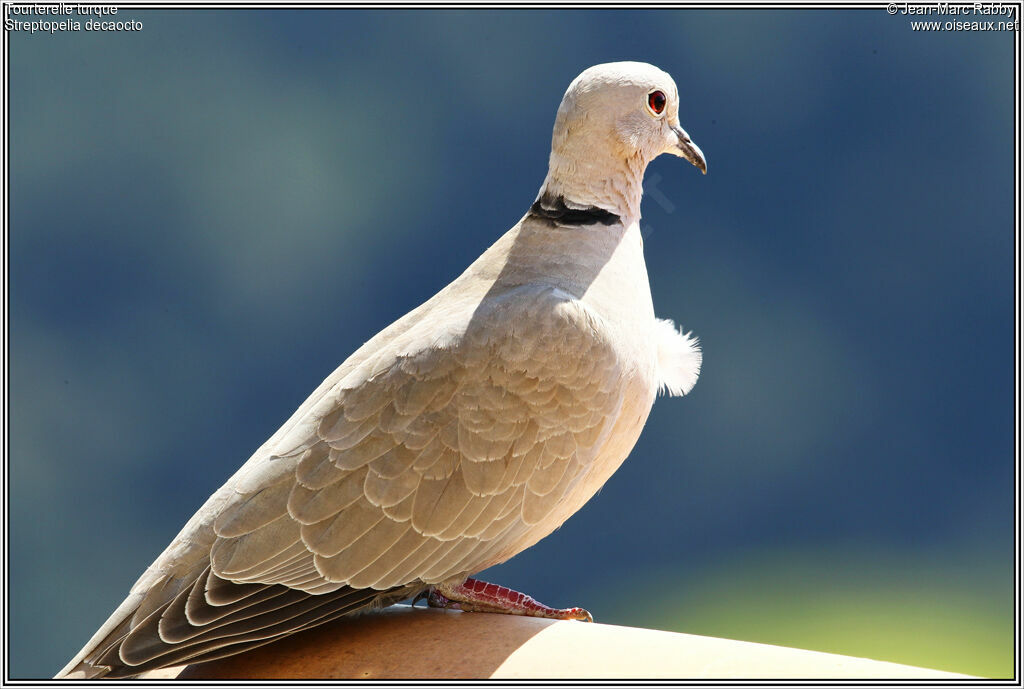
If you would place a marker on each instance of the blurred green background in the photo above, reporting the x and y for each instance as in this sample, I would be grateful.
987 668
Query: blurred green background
208 215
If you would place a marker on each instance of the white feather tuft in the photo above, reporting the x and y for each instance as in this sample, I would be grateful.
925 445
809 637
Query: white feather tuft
679 359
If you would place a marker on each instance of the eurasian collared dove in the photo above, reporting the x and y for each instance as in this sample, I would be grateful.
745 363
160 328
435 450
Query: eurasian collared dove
460 435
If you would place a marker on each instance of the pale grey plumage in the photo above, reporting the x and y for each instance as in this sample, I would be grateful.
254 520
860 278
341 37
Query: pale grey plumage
457 437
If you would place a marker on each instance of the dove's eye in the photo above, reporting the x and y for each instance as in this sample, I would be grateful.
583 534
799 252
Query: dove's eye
656 102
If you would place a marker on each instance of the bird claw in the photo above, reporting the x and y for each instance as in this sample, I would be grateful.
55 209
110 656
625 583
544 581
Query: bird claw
479 596
581 615
421 596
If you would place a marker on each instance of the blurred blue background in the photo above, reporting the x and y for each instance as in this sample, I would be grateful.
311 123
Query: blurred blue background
208 215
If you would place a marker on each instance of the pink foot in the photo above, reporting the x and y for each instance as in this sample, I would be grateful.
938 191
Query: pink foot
474 595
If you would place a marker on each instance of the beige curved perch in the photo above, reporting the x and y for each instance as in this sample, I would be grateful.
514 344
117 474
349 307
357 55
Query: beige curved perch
405 643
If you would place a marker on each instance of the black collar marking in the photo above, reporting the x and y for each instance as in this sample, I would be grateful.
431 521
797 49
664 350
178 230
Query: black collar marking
558 213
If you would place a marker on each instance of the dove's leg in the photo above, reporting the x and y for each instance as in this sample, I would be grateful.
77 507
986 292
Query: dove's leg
474 595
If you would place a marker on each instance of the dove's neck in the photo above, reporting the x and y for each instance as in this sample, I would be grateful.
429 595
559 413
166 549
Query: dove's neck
586 180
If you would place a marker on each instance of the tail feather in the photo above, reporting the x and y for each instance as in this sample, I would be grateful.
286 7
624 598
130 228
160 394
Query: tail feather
189 628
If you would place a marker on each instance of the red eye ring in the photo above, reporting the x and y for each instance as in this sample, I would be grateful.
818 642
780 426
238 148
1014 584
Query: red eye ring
657 101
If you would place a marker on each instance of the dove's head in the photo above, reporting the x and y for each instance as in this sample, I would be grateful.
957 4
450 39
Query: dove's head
614 119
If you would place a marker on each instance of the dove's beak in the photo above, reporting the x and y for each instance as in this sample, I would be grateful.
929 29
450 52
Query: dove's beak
690 150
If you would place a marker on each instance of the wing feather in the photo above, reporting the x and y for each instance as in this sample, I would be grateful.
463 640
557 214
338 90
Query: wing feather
396 462
232 555
494 509
438 503
375 573
332 535
437 461
438 567
256 510
317 469
408 567
342 432
401 512
370 448
221 592
310 506
545 479
387 492
536 506
367 548
428 457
